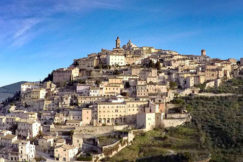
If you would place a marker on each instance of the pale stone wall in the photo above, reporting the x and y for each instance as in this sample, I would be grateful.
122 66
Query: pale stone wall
95 131
210 84
176 116
173 122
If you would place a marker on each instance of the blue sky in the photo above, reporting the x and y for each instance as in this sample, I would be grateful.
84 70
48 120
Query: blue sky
38 36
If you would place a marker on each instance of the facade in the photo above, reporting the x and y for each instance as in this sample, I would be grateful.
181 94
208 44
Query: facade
7 140
86 116
36 94
203 52
65 153
141 91
83 89
111 90
95 91
110 113
149 121
74 123
87 63
26 151
28 128
28 86
116 59
46 143
65 75
77 141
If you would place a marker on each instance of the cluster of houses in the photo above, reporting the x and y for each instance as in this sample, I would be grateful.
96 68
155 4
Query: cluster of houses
127 85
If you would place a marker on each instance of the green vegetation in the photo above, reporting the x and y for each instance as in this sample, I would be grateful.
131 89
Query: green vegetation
173 85
201 86
48 78
151 64
184 140
12 100
107 140
102 66
87 157
231 86
220 121
40 159
216 131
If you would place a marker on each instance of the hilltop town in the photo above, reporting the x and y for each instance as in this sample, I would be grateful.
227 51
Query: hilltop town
95 107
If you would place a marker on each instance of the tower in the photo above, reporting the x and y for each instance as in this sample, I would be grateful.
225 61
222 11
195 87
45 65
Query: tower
118 42
203 52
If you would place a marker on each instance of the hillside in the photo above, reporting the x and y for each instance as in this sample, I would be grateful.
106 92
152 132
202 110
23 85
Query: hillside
216 128
9 90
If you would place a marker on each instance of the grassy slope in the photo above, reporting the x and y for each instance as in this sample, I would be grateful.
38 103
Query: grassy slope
184 139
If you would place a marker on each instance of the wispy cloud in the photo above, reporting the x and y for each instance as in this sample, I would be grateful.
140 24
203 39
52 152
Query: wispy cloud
24 33
19 20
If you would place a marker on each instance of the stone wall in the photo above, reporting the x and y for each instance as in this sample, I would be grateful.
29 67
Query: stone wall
177 116
111 150
95 131
175 122
210 84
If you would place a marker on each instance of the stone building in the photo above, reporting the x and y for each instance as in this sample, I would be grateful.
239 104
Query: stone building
65 153
203 52
86 116
111 113
116 59
28 128
149 121
46 143
65 75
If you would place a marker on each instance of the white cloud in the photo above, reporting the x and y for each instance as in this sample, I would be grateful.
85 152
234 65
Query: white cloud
19 18
27 25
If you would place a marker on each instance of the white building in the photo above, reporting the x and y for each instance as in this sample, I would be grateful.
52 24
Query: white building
96 91
116 59
26 151
28 86
83 89
28 128
149 121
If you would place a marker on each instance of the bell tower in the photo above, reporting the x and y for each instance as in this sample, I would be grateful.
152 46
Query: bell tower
203 52
118 42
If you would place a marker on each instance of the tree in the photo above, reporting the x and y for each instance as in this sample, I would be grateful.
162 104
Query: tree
116 72
97 82
173 85
151 64
48 78
157 65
